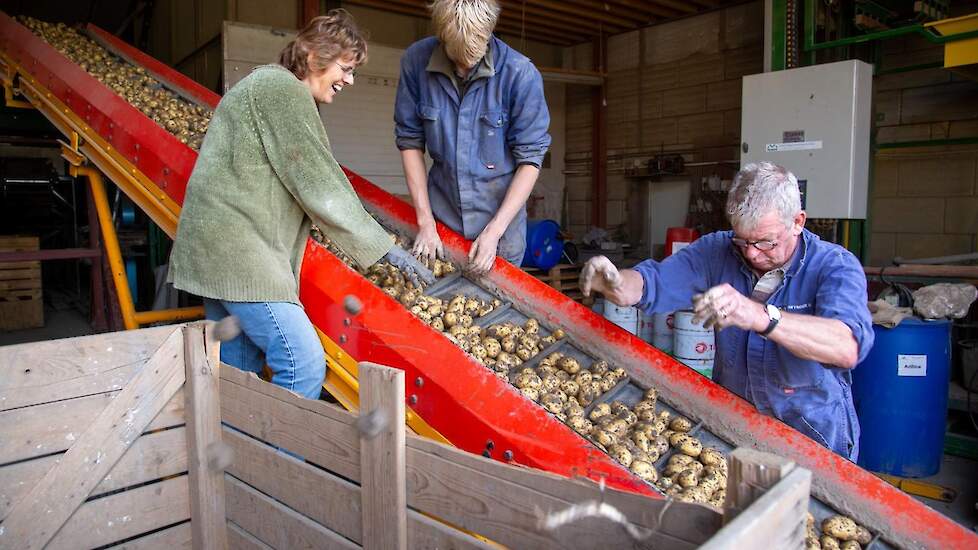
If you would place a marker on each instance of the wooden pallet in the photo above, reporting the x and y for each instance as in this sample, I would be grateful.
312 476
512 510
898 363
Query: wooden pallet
21 300
564 278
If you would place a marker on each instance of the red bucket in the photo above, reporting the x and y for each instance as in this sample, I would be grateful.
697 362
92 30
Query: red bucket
678 238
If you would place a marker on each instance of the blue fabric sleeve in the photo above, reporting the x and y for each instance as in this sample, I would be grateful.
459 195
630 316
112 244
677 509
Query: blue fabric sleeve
527 137
842 296
408 127
669 285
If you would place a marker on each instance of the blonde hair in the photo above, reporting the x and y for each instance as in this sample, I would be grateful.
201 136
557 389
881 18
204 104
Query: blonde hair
326 37
464 27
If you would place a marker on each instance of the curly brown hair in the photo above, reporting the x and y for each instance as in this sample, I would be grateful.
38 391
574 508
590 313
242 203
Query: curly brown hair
326 37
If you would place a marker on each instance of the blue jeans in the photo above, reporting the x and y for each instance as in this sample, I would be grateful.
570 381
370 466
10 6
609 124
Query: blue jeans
278 333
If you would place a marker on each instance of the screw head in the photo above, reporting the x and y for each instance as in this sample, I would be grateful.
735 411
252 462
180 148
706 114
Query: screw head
490 445
508 455
419 382
347 322
342 338
413 399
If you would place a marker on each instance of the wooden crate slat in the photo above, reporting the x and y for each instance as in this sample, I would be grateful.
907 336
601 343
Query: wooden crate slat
316 494
39 515
105 520
13 295
171 538
53 370
20 312
14 243
274 523
52 427
239 539
9 287
19 265
272 414
25 273
152 456
424 532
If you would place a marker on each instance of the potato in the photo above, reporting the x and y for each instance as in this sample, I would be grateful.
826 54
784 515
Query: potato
562 376
530 380
569 365
587 395
599 410
661 444
652 394
688 478
530 393
550 384
451 320
629 417
599 367
479 351
547 340
689 445
392 291
863 536
647 415
531 326
435 309
850 545
529 341
493 348
438 324
712 457
569 387
621 454
583 378
681 424
573 409
551 403
602 437
551 359
559 333
471 307
811 543
617 407
607 383
829 543
696 494
644 405
524 353
579 424
643 470
840 527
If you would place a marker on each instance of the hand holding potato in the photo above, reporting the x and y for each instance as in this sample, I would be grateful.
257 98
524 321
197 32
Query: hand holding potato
722 306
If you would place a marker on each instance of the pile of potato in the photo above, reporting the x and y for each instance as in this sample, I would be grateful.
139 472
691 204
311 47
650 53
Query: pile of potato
185 120
838 533
508 345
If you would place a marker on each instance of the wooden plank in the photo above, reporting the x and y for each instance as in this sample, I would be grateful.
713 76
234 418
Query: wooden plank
317 431
19 265
43 372
326 499
18 284
14 295
36 518
20 314
239 539
775 520
123 515
152 456
681 520
323 497
382 462
751 473
8 274
178 536
53 427
202 359
274 523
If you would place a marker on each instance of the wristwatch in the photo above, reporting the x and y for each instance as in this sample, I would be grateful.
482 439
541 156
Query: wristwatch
774 315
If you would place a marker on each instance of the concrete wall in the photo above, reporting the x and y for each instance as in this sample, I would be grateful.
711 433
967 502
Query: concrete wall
924 200
671 88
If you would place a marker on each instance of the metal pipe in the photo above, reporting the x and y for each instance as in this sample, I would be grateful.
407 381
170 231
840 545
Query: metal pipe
949 271
956 258
928 143
116 266
929 35
169 315
44 255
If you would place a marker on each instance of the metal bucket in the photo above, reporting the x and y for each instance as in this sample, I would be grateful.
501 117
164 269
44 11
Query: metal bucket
646 326
662 331
702 366
625 317
692 341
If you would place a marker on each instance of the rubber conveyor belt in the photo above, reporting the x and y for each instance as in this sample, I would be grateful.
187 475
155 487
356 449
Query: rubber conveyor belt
461 399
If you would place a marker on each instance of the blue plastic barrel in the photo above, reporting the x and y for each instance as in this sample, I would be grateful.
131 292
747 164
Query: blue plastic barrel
900 392
543 244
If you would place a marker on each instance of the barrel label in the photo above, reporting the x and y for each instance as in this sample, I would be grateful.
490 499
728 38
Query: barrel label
911 365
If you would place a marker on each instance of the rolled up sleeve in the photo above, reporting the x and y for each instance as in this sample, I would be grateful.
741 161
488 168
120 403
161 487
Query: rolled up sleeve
528 137
408 127
842 296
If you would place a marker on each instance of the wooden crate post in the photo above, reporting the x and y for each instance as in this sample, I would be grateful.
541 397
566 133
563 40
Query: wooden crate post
767 502
202 356
383 474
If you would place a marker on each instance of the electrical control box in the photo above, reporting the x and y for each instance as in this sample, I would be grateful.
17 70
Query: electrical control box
814 121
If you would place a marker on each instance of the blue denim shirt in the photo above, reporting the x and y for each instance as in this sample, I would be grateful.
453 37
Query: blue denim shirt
477 140
823 279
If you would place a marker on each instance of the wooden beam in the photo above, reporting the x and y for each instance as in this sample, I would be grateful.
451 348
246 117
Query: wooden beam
679 6
36 518
639 16
382 457
563 10
599 137
647 7
202 357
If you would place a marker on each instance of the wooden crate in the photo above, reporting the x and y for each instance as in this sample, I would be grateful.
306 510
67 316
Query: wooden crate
564 278
135 418
21 301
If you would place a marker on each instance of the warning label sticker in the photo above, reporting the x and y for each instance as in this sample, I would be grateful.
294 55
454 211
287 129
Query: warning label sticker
797 146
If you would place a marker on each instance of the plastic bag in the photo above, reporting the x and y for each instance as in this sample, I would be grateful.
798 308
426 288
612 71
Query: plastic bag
944 300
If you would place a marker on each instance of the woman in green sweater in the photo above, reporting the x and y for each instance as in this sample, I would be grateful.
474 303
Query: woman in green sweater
265 173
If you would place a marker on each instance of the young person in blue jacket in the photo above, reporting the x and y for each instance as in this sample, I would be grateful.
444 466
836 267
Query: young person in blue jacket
477 106
790 309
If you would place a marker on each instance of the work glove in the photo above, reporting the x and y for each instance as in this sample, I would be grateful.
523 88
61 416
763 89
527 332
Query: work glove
600 275
412 269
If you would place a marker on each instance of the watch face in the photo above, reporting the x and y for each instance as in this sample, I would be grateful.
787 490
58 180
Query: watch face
773 312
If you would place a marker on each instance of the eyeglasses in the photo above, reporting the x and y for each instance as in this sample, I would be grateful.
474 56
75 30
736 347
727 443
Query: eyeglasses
763 246
352 71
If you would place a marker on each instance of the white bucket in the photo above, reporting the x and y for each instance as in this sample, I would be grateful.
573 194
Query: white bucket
692 341
625 317
662 333
645 326
702 366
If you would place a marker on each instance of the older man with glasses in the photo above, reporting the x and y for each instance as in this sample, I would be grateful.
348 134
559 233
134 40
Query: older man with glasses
789 309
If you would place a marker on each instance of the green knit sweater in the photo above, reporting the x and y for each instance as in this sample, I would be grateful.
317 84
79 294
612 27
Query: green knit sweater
264 174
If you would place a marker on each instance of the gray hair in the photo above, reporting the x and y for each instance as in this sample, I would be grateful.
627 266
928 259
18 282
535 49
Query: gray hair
760 189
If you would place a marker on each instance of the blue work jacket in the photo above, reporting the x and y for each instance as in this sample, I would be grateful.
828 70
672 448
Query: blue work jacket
823 279
477 140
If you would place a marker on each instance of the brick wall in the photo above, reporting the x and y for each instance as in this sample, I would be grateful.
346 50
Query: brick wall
671 88
924 200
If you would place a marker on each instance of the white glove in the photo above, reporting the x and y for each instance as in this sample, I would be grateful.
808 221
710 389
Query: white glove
608 278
